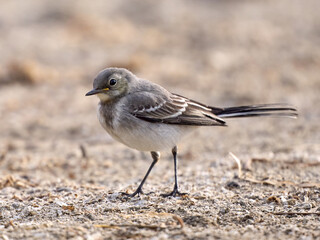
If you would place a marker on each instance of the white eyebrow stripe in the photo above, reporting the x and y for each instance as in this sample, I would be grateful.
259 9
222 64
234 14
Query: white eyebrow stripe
198 105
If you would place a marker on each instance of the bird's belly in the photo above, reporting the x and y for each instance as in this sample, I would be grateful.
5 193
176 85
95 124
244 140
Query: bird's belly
156 137
142 135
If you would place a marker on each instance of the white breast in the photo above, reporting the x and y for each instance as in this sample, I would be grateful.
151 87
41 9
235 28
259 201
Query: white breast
152 136
143 135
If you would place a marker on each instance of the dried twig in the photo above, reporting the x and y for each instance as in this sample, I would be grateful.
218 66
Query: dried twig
153 227
68 207
83 151
260 160
296 213
296 162
8 224
238 163
309 185
179 220
10 181
175 217
3 155
270 182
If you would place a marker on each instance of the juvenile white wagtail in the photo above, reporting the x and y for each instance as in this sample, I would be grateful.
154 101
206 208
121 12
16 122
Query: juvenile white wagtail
147 117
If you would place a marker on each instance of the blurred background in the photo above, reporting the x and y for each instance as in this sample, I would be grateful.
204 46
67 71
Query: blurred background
222 53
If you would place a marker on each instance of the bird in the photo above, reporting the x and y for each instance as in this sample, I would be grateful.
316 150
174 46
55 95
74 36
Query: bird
145 116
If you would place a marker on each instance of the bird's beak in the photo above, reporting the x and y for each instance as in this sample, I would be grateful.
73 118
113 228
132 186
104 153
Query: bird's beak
96 91
93 92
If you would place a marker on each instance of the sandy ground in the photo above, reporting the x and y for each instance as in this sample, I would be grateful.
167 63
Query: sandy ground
61 174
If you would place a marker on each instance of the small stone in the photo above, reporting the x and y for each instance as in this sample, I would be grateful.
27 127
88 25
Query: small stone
232 185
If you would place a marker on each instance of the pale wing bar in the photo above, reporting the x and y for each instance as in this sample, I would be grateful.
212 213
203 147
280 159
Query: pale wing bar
179 110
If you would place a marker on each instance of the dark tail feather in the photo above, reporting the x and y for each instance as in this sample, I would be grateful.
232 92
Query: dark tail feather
277 110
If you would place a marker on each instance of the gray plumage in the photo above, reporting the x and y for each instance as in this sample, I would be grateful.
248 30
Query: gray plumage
147 117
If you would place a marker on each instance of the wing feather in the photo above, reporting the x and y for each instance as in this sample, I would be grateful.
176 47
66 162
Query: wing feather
172 109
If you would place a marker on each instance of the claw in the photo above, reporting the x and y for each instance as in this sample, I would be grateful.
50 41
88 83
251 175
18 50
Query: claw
136 192
174 193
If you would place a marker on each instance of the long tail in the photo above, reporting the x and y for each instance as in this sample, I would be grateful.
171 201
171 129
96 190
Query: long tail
277 110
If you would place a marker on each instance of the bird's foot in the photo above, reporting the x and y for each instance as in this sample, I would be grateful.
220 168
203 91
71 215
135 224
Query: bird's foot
174 193
136 192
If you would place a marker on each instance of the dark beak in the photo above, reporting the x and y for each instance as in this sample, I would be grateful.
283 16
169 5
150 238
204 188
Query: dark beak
93 92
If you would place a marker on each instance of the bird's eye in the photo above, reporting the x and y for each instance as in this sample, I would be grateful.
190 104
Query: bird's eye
112 82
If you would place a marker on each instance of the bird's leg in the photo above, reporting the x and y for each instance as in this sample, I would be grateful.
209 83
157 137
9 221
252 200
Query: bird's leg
155 157
175 191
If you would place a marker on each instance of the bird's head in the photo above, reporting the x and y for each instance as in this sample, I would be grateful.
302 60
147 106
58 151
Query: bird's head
111 83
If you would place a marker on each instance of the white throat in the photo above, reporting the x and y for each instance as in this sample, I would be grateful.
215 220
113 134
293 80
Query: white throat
103 97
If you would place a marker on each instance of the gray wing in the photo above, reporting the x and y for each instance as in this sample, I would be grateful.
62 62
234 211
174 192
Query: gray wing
171 109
